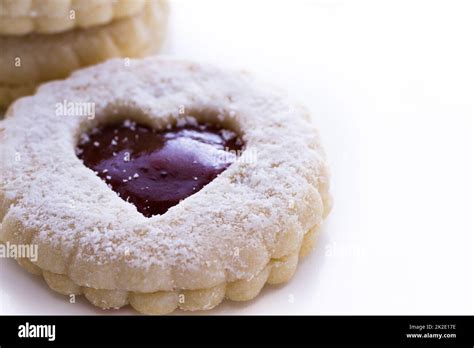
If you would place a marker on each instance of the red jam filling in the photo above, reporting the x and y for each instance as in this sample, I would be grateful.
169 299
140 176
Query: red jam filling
156 169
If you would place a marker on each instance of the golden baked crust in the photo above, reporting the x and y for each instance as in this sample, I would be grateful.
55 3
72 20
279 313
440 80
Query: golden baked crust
20 17
247 227
10 92
29 60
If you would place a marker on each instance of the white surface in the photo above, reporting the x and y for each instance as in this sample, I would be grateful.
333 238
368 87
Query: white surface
391 85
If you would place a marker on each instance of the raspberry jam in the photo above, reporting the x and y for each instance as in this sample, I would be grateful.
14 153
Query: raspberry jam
156 169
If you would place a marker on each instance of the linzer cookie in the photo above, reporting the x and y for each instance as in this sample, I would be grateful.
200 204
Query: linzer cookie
162 184
29 60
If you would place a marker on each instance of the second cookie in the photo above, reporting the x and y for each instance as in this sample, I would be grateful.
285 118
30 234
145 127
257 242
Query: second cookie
29 60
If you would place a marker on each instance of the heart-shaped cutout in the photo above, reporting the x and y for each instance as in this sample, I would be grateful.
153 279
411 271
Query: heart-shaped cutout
156 169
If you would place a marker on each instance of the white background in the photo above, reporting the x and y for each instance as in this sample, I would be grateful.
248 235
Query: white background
391 86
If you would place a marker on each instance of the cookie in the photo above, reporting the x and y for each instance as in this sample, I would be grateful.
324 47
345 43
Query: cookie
20 17
29 60
162 184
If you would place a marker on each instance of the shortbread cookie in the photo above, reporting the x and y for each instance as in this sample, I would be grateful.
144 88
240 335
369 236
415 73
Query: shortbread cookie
32 59
20 17
164 184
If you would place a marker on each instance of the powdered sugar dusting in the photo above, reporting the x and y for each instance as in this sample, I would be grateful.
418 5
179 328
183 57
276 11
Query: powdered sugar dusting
60 202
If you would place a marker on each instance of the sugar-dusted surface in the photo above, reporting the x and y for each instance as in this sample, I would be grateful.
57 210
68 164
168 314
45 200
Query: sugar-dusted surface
258 209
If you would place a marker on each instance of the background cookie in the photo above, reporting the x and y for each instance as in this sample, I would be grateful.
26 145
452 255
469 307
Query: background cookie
35 58
19 17
10 92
